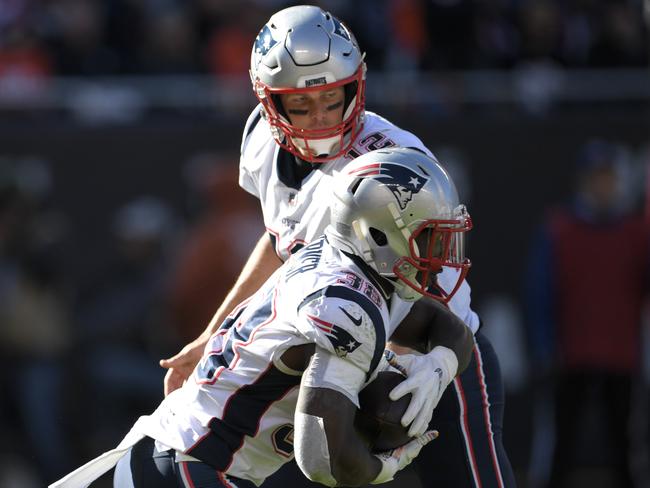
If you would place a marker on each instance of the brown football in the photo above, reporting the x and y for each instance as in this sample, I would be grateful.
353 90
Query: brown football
378 419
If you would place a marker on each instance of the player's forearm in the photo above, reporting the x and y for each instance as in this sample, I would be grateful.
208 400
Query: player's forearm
430 324
261 264
355 465
324 460
450 331
328 448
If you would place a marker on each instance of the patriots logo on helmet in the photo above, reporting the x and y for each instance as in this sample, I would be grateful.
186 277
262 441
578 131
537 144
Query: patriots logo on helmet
341 339
402 181
264 41
340 29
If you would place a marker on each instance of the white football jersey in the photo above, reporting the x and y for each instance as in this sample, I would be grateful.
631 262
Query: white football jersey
297 211
236 413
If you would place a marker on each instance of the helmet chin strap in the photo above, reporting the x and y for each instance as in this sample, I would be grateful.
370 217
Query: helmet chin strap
317 147
405 292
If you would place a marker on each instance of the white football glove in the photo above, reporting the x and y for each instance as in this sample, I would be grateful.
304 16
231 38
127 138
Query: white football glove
394 460
427 376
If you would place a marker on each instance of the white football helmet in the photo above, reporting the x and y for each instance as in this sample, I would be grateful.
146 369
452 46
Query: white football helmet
398 209
305 49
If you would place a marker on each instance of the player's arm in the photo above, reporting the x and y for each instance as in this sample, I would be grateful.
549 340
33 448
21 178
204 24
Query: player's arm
430 324
261 264
348 331
446 345
327 447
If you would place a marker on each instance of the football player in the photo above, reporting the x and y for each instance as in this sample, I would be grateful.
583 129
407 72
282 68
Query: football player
281 376
309 75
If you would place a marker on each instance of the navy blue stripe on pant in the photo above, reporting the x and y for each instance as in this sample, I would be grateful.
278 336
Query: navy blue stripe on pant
146 467
200 475
469 452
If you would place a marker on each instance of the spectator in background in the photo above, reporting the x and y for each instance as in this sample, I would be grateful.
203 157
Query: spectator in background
227 35
541 32
587 282
77 38
123 322
35 331
450 25
93 37
497 38
409 33
212 252
620 40
25 66
170 43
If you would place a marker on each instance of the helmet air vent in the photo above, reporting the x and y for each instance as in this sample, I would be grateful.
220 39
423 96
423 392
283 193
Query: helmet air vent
355 185
378 236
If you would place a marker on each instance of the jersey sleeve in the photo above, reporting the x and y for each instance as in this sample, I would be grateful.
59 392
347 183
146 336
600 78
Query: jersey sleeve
460 303
407 139
380 133
346 324
248 179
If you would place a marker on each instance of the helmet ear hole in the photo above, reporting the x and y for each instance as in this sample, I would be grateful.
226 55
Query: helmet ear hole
378 236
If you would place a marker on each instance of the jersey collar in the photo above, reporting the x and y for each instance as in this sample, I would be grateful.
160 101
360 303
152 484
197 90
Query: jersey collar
292 170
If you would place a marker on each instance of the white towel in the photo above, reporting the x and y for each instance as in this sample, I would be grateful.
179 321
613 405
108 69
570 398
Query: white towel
89 472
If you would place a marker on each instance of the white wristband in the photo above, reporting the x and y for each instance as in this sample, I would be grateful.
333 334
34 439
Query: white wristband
389 466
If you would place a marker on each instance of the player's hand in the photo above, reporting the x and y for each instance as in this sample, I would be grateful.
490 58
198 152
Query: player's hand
181 365
398 458
427 376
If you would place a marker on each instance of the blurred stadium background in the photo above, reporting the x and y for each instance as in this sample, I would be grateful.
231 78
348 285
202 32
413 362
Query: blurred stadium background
121 224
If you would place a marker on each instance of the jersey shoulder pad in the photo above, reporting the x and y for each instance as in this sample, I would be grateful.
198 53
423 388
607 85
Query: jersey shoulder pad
345 323
251 123
380 132
250 164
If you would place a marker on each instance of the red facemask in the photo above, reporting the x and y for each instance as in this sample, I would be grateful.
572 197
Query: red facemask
434 244
308 143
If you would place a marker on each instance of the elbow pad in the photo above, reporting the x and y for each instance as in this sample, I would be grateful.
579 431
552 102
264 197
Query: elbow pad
311 449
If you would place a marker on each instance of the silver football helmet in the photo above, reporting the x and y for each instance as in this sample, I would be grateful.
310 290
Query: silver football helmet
305 49
398 209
